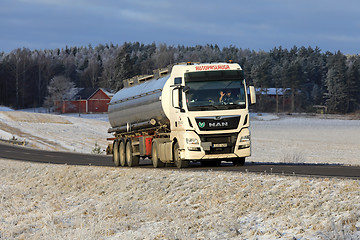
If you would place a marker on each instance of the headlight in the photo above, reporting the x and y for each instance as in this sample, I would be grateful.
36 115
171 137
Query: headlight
244 142
245 138
192 141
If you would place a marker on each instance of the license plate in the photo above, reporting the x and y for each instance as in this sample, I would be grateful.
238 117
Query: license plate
219 145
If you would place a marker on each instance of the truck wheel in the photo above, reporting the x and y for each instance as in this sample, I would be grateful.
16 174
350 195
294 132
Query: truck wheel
178 162
116 159
157 163
122 157
131 160
239 161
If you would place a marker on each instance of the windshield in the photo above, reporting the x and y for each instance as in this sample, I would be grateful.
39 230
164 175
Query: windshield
209 90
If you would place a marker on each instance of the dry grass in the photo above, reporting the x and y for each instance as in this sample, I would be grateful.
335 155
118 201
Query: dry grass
41 201
293 157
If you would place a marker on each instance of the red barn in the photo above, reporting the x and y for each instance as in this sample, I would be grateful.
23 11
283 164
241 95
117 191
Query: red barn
87 100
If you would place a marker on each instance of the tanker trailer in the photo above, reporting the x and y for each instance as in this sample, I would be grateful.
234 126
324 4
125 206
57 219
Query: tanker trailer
195 112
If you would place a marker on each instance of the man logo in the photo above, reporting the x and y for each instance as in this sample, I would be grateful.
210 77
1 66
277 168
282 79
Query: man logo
201 124
219 124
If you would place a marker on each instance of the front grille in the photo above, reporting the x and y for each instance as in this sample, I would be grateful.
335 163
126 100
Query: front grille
216 141
220 150
219 138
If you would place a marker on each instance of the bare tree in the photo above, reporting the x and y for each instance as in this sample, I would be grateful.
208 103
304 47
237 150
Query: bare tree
108 74
60 89
92 73
18 64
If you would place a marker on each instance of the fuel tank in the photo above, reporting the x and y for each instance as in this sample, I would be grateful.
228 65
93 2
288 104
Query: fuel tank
137 104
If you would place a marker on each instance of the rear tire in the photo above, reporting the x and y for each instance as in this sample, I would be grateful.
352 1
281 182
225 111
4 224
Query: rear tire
239 161
177 160
116 159
132 161
157 163
122 154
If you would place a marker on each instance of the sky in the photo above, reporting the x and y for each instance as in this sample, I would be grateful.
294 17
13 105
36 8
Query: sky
331 25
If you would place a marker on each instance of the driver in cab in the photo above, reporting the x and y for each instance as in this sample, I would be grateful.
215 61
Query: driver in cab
225 97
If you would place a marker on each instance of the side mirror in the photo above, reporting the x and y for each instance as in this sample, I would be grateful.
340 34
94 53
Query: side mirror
186 89
177 99
252 95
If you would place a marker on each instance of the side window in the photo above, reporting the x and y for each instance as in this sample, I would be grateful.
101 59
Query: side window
177 80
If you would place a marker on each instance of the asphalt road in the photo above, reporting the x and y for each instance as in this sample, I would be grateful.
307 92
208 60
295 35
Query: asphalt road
13 152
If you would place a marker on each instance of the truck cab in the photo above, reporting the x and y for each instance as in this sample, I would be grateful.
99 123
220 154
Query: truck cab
209 113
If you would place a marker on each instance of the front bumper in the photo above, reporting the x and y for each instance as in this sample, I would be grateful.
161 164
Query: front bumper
217 146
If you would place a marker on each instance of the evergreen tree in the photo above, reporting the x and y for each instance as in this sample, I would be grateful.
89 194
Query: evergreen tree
123 67
261 75
292 78
353 83
337 94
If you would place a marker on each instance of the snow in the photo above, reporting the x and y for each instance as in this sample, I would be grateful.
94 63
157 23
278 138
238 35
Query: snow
3 109
277 139
305 139
44 201
56 132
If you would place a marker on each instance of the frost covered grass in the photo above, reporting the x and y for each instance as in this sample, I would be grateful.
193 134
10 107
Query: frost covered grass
35 118
42 201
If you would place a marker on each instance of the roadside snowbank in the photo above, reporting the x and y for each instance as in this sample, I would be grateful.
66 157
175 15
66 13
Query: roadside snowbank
42 201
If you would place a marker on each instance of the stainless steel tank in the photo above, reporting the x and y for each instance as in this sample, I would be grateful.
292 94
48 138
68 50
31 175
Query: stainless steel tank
137 104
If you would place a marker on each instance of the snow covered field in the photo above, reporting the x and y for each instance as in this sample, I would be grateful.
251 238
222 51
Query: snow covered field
56 132
305 139
289 139
43 201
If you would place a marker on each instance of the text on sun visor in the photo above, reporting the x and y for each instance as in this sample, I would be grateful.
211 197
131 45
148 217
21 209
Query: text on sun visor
212 67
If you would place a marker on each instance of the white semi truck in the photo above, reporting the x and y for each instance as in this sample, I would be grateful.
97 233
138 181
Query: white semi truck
192 112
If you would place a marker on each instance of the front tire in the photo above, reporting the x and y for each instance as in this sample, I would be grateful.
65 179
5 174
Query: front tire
177 160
